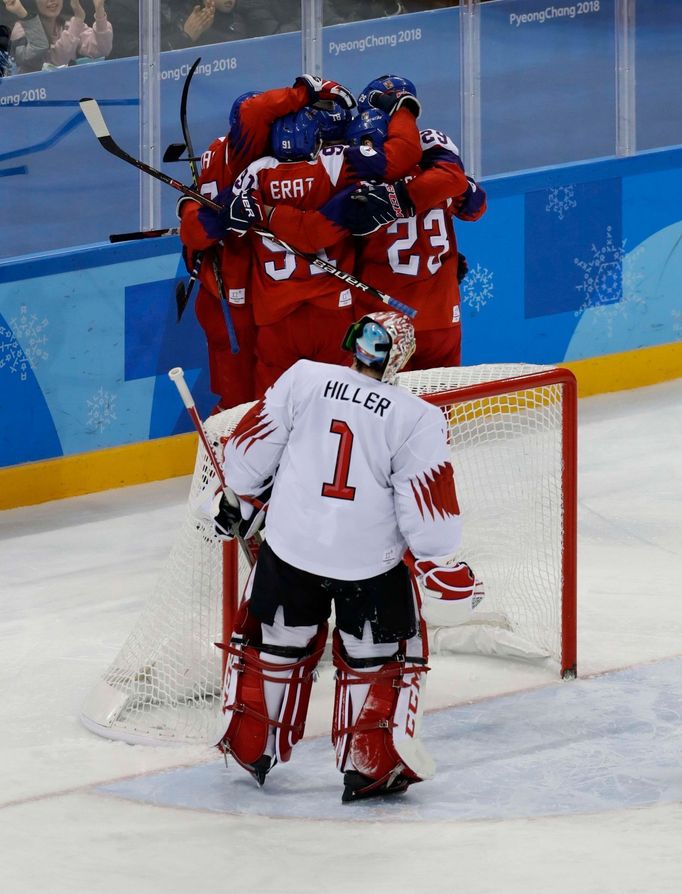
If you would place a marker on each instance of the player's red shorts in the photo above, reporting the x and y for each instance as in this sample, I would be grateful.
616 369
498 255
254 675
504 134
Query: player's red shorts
231 374
307 333
437 347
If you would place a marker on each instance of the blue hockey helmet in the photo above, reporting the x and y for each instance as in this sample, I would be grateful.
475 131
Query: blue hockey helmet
383 340
372 124
296 136
385 84
334 119
234 111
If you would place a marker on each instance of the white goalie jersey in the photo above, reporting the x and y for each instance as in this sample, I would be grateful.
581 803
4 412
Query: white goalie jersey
362 472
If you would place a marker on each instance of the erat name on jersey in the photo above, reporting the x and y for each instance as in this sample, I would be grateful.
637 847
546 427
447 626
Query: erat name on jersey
370 400
290 189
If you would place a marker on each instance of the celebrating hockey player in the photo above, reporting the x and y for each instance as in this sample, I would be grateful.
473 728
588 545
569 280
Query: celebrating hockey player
361 474
250 120
415 258
299 311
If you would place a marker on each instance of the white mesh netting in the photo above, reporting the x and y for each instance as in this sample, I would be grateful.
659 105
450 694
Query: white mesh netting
507 452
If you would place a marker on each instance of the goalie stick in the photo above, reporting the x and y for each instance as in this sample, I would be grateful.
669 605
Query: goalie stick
177 376
95 119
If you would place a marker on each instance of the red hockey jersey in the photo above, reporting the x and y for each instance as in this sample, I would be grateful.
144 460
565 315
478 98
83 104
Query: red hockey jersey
415 259
280 280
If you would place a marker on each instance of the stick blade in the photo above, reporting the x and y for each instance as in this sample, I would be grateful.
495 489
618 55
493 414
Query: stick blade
174 152
93 116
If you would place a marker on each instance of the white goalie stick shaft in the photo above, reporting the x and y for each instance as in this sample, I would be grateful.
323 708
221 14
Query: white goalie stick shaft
95 119
177 376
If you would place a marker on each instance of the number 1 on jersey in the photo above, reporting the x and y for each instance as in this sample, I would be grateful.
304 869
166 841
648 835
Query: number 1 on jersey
339 487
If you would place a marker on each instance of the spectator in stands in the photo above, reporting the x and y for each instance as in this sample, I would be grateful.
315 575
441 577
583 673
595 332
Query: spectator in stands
279 16
426 5
42 36
187 24
5 59
125 19
337 11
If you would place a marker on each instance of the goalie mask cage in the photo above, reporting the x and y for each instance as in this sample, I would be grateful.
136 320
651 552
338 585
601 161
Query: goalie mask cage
512 430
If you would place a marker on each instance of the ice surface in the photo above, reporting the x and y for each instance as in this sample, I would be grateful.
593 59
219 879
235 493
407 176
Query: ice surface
604 743
542 785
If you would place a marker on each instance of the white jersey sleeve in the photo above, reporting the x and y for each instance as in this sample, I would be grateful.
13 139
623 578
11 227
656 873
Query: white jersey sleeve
254 449
362 472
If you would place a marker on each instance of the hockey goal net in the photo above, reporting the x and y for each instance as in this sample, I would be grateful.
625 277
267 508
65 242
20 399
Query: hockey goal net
512 430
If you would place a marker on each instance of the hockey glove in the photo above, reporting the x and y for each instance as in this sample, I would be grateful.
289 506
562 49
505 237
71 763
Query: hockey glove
472 202
239 212
365 209
227 519
391 102
318 88
448 592
462 267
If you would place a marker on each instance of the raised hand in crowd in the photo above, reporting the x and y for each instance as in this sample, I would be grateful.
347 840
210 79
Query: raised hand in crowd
199 20
77 10
16 8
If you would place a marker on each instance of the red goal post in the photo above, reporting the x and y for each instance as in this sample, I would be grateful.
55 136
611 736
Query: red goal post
513 434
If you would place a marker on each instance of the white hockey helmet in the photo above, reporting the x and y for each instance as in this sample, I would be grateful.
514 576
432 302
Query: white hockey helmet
383 341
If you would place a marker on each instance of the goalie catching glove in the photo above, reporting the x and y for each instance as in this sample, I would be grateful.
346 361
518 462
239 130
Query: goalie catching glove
240 211
321 89
365 209
448 592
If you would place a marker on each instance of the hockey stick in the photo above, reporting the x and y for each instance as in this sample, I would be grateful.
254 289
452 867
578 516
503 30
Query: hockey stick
174 152
222 297
177 376
143 234
94 117
182 292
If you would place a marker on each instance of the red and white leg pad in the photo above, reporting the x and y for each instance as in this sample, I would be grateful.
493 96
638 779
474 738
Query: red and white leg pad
251 665
377 715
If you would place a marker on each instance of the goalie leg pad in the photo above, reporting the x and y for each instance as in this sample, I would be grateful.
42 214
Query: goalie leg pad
376 728
249 713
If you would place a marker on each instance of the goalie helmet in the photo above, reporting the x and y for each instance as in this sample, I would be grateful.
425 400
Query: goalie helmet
385 84
383 341
372 124
236 105
297 136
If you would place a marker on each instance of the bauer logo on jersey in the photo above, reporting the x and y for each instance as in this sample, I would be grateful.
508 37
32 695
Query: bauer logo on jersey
345 298
455 314
237 296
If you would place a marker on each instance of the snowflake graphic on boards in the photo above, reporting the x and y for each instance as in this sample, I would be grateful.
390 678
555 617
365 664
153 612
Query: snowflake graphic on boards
101 411
611 281
560 199
477 288
22 345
